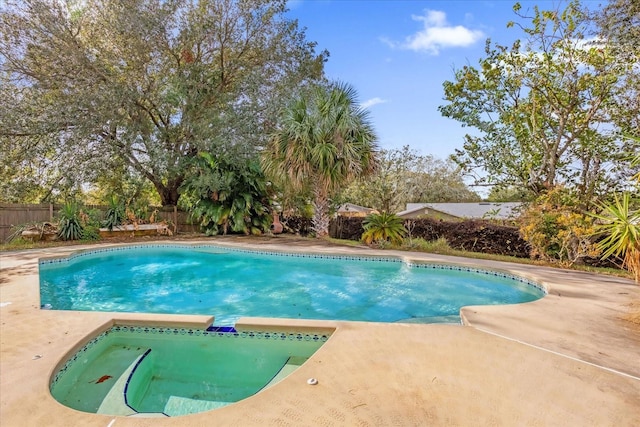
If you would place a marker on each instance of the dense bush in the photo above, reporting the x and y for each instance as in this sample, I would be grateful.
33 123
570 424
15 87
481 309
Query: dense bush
344 227
115 214
471 235
557 230
227 196
298 225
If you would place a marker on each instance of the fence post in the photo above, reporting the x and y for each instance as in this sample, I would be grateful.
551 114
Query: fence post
175 219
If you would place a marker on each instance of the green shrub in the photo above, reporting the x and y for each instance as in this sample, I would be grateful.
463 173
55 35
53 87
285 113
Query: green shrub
69 226
557 230
439 246
227 195
90 232
114 216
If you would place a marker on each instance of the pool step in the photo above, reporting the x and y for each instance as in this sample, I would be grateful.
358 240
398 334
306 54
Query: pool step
177 405
114 402
432 319
290 365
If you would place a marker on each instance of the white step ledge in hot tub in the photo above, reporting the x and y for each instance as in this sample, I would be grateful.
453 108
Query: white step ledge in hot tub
177 405
114 402
291 365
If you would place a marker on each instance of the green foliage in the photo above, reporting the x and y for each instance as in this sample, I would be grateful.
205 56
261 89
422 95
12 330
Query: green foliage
538 107
619 23
103 86
115 214
69 224
323 142
228 196
383 227
557 230
620 224
123 183
403 176
509 194
439 246
90 233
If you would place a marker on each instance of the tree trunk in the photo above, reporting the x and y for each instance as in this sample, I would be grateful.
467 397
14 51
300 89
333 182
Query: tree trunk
169 192
321 214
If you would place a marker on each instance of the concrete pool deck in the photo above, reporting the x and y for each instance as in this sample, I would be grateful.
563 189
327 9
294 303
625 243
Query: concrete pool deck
567 359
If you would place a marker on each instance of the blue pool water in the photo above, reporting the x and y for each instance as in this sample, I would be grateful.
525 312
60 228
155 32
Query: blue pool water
229 283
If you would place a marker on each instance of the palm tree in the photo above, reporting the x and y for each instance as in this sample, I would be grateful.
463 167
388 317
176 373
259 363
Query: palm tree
324 141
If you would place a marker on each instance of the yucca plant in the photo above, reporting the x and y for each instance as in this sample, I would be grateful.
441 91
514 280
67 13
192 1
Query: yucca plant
621 223
621 226
114 216
383 227
69 225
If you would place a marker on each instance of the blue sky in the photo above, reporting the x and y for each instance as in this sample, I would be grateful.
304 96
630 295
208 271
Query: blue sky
397 54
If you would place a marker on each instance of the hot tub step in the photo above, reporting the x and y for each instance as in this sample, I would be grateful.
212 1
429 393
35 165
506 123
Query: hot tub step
114 402
291 365
177 405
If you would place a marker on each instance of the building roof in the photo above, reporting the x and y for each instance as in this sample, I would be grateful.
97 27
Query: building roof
481 210
350 207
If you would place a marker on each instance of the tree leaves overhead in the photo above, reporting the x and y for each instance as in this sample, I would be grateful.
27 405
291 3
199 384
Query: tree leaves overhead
150 83
619 25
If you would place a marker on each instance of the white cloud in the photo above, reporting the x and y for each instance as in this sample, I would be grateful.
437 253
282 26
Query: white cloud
437 34
371 102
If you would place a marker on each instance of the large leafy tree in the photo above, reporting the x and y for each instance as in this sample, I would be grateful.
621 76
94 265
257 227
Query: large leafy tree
324 140
404 176
539 107
145 83
619 220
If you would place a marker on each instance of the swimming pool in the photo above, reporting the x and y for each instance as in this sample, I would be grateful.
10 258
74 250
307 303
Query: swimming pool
166 371
231 283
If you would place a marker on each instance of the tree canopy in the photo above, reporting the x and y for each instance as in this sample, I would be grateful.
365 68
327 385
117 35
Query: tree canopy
541 109
89 85
404 176
618 23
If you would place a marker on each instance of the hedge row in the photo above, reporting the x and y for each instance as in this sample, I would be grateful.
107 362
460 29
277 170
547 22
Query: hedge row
470 235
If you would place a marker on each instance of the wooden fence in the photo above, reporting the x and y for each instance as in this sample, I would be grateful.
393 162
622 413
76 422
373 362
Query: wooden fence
17 214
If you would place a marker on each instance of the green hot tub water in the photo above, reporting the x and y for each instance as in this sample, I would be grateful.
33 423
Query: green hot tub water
130 370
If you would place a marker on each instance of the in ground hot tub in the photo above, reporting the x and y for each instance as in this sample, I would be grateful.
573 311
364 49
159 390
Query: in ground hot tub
163 371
